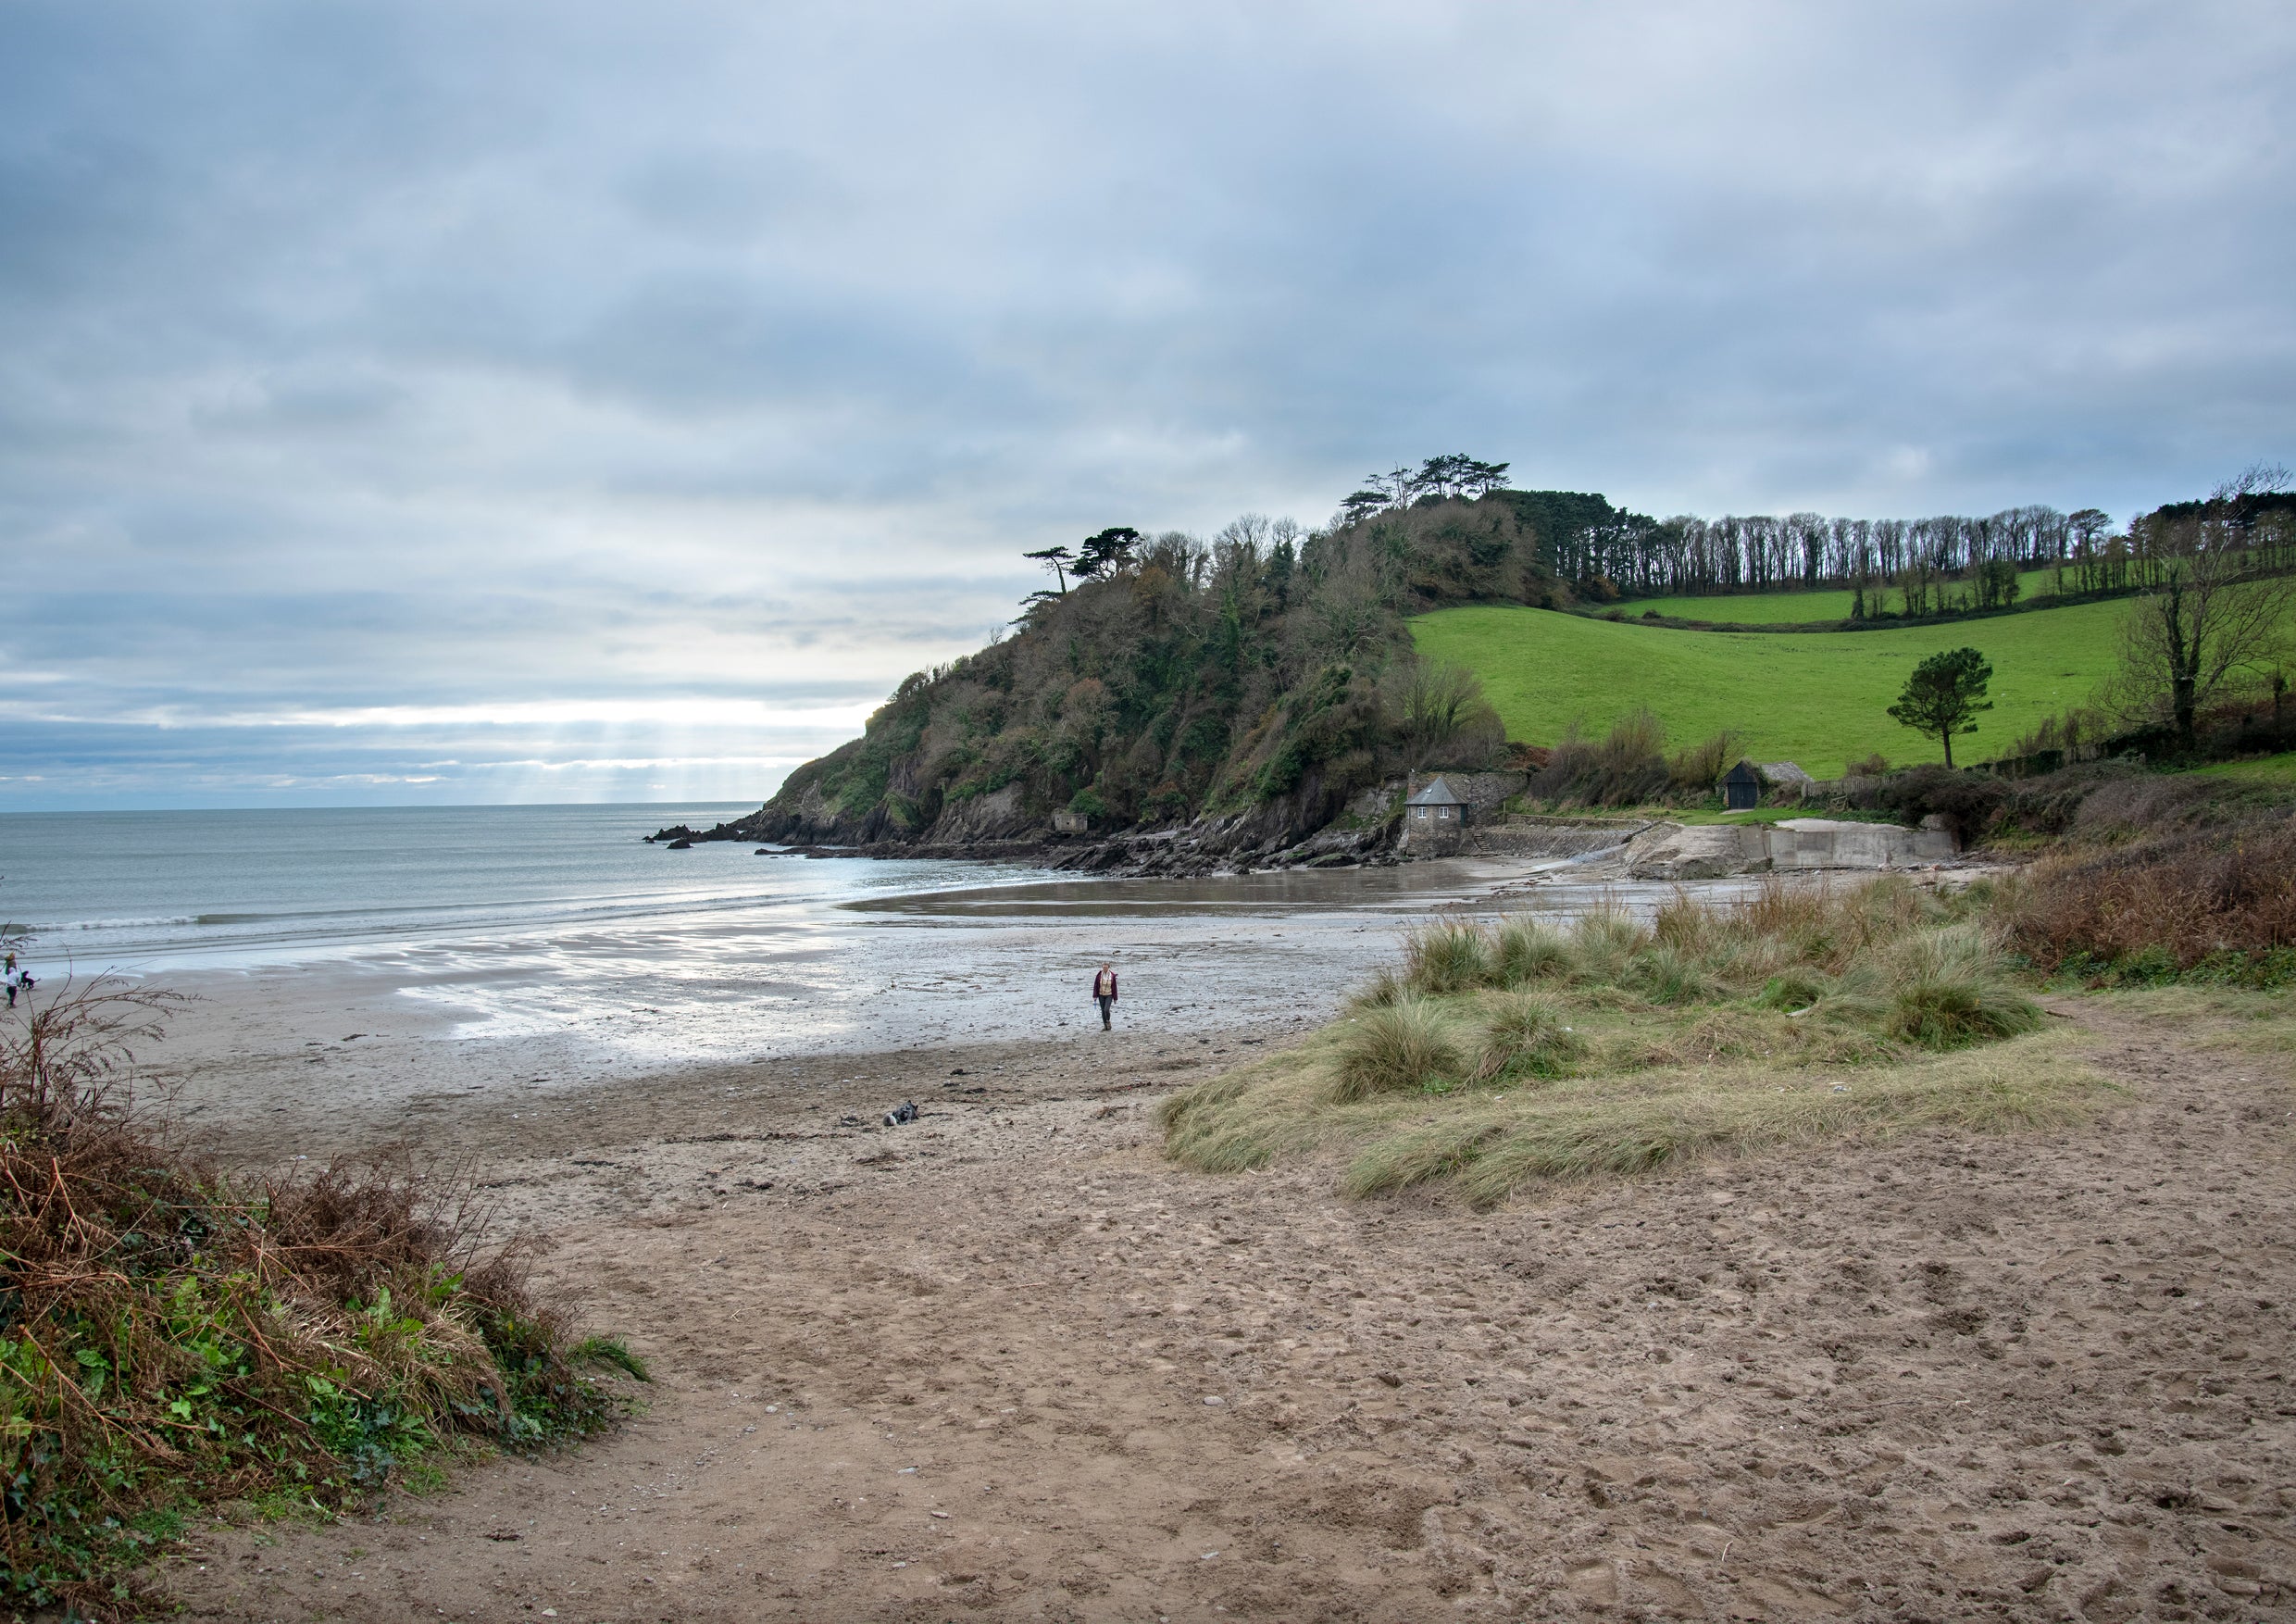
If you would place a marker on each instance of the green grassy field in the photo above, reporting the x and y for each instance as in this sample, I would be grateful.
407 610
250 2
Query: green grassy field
1820 699
2277 769
1783 609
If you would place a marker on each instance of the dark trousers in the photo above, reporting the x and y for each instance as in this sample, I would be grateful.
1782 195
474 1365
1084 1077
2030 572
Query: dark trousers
1106 1004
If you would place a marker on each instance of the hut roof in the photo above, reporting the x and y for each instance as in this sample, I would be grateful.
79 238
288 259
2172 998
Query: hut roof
1745 773
1436 793
1785 772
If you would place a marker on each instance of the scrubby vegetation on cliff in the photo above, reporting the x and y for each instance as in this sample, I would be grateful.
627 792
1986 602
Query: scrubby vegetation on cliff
1269 666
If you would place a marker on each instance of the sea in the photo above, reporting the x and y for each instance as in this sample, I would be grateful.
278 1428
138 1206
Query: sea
562 923
181 889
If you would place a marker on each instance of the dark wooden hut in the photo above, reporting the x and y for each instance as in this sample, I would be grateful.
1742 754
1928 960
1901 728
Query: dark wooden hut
1741 787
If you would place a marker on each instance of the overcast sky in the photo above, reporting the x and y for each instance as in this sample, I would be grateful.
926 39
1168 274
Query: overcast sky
564 401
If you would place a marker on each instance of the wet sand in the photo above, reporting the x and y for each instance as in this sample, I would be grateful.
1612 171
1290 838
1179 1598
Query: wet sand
289 1059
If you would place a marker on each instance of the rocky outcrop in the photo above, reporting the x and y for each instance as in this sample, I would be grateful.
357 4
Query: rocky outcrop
1672 851
1314 826
999 815
1310 828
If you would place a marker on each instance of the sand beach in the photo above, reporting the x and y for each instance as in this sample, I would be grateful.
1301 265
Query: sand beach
1007 1362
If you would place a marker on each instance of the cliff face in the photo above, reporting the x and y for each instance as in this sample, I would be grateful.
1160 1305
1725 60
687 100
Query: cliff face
1315 824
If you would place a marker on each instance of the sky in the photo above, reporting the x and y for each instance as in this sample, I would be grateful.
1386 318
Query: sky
452 401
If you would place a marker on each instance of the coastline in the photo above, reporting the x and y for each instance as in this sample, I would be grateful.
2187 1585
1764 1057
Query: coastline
292 1059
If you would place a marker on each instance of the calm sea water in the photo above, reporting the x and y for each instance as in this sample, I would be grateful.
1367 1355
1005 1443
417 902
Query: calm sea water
209 890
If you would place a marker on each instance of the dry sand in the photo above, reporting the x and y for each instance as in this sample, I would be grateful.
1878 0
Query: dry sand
1005 1362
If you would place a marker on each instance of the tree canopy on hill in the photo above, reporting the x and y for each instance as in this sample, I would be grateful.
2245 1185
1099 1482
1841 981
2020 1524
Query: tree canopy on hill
1176 677
1169 678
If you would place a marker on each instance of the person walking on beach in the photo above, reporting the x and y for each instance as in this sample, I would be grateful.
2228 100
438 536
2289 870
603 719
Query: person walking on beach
1105 991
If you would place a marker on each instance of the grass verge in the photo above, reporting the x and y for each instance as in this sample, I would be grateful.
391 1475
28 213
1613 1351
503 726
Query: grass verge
1499 1057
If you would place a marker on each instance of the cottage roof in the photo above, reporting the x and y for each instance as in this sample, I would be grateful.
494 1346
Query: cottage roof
1785 772
1436 793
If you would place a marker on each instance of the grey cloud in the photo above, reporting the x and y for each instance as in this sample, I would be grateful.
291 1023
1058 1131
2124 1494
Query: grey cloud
477 351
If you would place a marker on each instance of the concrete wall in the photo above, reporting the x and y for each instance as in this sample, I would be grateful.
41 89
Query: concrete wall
1818 842
1712 851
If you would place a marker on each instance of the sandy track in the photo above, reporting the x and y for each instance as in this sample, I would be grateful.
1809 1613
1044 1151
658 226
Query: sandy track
1007 1364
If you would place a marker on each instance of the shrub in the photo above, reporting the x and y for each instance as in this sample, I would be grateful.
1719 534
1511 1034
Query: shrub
1967 802
1622 769
175 1335
1696 770
1383 989
1405 1046
1945 990
1792 991
2181 897
1949 1015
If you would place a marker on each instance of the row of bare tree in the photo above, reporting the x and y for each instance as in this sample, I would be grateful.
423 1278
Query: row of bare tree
1637 555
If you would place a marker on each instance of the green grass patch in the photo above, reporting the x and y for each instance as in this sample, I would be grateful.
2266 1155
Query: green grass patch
1497 1056
1821 700
2272 969
609 1351
1770 815
2270 769
1790 608
1763 1089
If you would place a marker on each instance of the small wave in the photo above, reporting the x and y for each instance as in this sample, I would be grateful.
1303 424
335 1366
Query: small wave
107 924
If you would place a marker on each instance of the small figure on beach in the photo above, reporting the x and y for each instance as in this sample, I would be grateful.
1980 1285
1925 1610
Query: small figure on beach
1104 992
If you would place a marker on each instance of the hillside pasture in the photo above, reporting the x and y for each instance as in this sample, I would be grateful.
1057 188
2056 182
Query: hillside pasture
1795 606
1819 699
